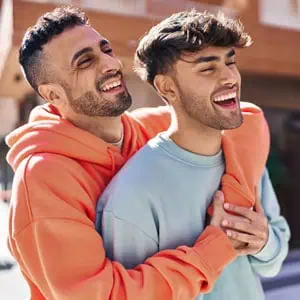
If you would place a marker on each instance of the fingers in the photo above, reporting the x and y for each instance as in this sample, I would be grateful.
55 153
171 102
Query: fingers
219 211
242 211
218 200
245 227
253 243
243 237
235 219
246 251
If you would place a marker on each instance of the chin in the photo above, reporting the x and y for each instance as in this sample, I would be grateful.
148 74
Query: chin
234 125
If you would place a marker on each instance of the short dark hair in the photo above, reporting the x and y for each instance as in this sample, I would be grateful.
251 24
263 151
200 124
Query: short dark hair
188 31
31 55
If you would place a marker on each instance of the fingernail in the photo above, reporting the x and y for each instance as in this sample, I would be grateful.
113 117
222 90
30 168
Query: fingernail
218 195
229 233
226 206
225 223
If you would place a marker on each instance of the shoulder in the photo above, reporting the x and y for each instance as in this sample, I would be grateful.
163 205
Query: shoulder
38 163
143 165
153 119
148 112
131 196
37 189
50 169
48 185
134 185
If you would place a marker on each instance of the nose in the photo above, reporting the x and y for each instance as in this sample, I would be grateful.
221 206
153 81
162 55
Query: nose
229 77
110 64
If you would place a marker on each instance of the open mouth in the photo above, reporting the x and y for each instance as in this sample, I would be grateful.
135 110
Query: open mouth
227 100
112 86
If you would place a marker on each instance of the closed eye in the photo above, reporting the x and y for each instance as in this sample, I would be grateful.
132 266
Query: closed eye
208 70
231 63
85 62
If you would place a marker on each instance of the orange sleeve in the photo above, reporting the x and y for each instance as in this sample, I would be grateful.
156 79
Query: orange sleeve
154 119
52 235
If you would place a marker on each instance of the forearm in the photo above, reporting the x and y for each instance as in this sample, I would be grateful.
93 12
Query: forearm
130 245
76 267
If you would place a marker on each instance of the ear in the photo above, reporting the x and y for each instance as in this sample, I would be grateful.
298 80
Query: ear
51 93
166 88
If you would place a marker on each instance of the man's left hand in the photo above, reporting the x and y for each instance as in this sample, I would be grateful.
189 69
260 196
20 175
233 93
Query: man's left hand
254 233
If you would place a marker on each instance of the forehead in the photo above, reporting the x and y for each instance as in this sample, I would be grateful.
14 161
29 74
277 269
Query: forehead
65 45
208 51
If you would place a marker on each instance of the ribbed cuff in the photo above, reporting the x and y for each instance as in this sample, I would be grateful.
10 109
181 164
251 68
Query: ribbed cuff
271 248
216 249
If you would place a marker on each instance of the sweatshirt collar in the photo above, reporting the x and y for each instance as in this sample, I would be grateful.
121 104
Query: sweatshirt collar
164 142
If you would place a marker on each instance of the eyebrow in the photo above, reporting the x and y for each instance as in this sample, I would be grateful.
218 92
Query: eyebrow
85 50
81 52
230 53
204 59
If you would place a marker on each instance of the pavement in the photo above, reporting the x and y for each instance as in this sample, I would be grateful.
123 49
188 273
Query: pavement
286 285
13 287
12 284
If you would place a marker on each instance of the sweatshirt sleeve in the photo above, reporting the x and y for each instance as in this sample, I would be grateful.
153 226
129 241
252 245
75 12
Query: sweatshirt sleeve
131 246
268 261
52 235
154 119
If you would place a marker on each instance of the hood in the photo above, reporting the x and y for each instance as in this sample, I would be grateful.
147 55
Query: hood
48 132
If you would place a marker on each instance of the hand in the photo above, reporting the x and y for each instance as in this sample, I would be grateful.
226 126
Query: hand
254 232
219 215
219 212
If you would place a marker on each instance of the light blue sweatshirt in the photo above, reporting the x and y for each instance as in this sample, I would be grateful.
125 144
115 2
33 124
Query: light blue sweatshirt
159 201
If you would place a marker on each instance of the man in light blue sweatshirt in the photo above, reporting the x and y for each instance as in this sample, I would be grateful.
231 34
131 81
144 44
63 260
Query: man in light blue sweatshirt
160 198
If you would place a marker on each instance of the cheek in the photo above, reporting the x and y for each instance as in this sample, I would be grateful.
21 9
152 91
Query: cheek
206 87
84 82
203 88
193 83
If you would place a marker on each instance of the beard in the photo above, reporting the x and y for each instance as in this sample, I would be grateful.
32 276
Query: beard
92 105
199 108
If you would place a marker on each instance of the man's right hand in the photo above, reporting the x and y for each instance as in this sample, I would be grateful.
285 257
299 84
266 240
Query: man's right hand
219 214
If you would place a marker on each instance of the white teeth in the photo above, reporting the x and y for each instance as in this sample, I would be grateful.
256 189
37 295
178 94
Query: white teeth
225 97
110 86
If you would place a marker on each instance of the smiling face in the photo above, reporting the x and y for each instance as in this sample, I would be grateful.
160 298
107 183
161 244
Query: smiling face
85 68
208 84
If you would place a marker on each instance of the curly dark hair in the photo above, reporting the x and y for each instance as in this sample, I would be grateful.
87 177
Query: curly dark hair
188 31
31 55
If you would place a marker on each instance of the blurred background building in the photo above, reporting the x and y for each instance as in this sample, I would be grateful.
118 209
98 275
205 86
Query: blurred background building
270 70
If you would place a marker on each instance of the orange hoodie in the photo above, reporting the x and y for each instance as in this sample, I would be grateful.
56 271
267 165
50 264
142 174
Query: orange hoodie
60 171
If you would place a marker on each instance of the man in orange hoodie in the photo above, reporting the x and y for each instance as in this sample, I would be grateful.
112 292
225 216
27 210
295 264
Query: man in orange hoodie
69 151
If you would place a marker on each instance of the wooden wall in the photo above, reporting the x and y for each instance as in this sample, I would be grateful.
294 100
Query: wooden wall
275 51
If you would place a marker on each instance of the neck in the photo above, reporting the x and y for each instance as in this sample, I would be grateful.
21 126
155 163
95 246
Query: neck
109 129
193 136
